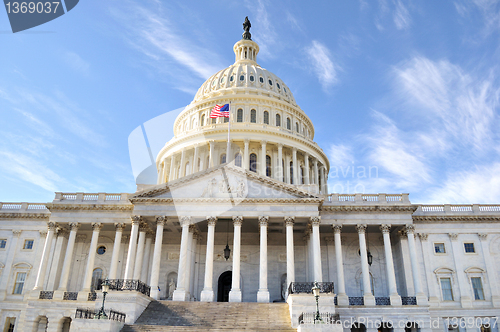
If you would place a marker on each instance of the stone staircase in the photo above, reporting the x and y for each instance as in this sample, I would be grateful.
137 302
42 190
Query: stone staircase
212 316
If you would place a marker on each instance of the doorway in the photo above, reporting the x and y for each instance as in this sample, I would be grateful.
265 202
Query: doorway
224 286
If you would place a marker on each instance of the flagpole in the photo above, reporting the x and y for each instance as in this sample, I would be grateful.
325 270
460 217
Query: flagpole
228 150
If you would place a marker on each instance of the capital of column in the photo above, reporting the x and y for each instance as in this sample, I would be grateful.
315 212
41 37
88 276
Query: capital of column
483 236
263 142
160 220
246 141
73 226
423 236
294 149
289 221
211 221
96 226
337 229
51 226
143 227
315 162
263 220
62 232
81 238
136 220
16 232
410 229
237 220
361 228
211 142
184 220
453 236
402 234
385 228
315 221
192 229
280 145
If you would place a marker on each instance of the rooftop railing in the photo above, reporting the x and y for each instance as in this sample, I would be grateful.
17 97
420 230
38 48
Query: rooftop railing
23 207
91 197
457 209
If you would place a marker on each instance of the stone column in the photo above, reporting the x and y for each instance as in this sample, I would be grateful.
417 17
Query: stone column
246 154
317 270
290 253
263 158
306 168
391 275
295 167
40 277
316 179
140 251
155 270
147 253
189 262
116 249
342 298
490 270
427 251
207 294
96 228
183 161
55 267
68 257
172 168
195 159
161 168
287 169
263 293
421 298
194 245
463 280
212 154
235 293
280 162
322 174
365 268
180 294
129 267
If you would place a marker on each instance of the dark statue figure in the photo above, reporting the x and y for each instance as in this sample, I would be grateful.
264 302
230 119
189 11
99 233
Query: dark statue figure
246 26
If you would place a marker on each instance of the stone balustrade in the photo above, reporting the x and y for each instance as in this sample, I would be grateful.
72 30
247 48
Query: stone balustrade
347 199
91 197
23 207
458 209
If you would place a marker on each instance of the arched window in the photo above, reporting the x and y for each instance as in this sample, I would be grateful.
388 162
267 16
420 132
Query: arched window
239 115
96 275
297 127
278 120
253 162
266 117
202 122
226 119
288 124
223 158
253 116
268 166
187 169
238 159
291 172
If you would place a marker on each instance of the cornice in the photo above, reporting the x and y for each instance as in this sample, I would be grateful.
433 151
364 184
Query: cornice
24 215
92 207
406 209
227 200
457 218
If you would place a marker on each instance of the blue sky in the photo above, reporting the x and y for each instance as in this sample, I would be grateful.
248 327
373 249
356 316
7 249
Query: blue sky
408 89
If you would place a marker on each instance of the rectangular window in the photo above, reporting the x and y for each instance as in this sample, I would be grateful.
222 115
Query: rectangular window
439 248
477 285
28 244
19 285
446 289
3 243
10 324
469 248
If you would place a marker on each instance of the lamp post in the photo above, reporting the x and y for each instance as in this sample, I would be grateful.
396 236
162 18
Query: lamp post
315 291
105 289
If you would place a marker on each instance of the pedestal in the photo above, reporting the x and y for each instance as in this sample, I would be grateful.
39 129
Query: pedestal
342 300
396 300
180 295
207 295
369 300
235 295
263 296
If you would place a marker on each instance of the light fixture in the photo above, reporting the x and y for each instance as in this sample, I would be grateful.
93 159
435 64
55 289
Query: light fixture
105 289
370 258
315 290
227 251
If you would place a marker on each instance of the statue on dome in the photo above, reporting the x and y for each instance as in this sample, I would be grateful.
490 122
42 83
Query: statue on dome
246 26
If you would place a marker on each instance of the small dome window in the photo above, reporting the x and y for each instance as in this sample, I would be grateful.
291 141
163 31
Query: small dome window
222 79
252 78
270 82
101 250
284 89
278 85
214 82
231 78
261 79
242 77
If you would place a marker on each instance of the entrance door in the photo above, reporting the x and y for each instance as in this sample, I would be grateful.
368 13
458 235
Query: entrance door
224 286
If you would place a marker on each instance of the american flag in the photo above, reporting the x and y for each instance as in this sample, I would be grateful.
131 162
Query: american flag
219 111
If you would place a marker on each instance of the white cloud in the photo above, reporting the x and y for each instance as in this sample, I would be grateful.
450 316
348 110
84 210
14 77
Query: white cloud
77 63
402 18
323 64
340 155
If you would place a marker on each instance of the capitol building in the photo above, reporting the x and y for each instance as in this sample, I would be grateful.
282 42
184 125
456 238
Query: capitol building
248 220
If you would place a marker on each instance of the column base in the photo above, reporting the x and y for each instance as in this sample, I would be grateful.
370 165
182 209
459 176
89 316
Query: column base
83 295
396 300
423 300
180 295
207 295
34 294
235 295
58 294
154 293
263 295
342 300
369 300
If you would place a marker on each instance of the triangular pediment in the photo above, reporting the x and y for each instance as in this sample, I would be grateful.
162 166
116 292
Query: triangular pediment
224 182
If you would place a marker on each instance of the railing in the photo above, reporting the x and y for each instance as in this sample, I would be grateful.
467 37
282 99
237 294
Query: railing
46 295
409 300
91 314
432 208
70 296
306 287
356 300
368 198
308 318
462 208
489 208
92 296
122 284
85 197
20 207
382 301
